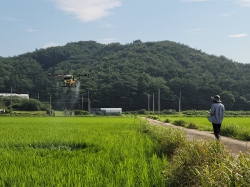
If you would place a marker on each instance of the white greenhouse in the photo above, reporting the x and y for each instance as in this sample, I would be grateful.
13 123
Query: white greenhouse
106 111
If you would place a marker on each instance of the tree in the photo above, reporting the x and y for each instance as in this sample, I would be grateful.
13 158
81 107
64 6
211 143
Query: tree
124 75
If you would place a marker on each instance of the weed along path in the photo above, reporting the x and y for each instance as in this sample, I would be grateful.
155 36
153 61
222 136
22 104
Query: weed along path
232 145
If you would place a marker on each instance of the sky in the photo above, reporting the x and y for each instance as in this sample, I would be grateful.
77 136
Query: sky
216 27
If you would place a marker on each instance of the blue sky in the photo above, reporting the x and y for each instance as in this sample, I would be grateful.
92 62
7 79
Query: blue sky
218 27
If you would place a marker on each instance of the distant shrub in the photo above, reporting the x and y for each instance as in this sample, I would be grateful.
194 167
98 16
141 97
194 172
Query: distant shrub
167 120
81 112
2 105
113 114
99 113
170 111
127 112
205 113
15 106
179 122
237 113
195 112
8 111
154 117
192 125
245 135
142 111
235 131
30 105
230 130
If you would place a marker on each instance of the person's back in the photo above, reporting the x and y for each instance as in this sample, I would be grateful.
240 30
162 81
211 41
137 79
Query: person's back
217 113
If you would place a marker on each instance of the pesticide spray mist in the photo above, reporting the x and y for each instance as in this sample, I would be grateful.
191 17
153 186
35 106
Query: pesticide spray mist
67 98
75 95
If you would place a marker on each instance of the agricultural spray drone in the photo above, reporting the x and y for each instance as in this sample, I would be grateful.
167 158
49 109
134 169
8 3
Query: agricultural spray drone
69 80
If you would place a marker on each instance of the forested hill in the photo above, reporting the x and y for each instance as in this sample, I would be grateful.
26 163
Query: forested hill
125 75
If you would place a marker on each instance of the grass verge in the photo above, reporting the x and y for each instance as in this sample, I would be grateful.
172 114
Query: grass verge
199 163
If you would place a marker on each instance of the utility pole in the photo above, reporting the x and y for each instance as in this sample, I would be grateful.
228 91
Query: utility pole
38 96
180 103
159 101
148 103
50 105
88 102
153 103
10 96
82 101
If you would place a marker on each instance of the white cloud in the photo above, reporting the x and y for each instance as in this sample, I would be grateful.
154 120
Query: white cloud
244 3
31 30
87 10
8 18
228 14
237 35
50 44
107 26
108 40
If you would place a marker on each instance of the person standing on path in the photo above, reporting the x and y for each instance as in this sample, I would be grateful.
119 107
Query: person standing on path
216 115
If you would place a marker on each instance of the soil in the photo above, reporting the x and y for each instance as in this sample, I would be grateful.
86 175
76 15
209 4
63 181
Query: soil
232 145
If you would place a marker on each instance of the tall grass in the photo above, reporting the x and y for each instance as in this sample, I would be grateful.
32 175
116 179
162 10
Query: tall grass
78 152
225 171
207 163
200 162
168 139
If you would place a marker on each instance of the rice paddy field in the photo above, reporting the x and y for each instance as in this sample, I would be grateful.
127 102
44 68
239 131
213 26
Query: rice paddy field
78 151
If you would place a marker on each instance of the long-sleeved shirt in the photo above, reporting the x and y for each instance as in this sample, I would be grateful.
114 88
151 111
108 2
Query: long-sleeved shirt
217 113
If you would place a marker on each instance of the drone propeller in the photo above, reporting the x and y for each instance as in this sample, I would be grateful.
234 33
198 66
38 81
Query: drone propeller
57 75
85 75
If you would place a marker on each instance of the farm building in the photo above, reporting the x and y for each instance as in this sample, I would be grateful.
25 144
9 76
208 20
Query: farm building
25 96
106 111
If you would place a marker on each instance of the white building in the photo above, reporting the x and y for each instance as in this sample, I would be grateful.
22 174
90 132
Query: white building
106 111
25 96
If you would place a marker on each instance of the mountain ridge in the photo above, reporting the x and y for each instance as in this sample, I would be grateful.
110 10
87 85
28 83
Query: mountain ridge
126 76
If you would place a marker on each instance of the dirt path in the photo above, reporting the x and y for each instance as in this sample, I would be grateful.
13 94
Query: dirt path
233 145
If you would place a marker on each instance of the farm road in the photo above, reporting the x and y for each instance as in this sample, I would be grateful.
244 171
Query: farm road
232 145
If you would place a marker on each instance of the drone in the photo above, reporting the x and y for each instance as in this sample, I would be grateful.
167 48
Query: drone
69 80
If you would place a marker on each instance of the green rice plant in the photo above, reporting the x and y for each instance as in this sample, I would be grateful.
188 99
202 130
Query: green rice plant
111 151
78 151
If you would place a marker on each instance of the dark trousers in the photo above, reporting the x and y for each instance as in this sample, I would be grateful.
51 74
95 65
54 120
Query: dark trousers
216 128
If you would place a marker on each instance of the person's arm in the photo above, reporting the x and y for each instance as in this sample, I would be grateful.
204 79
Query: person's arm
212 110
